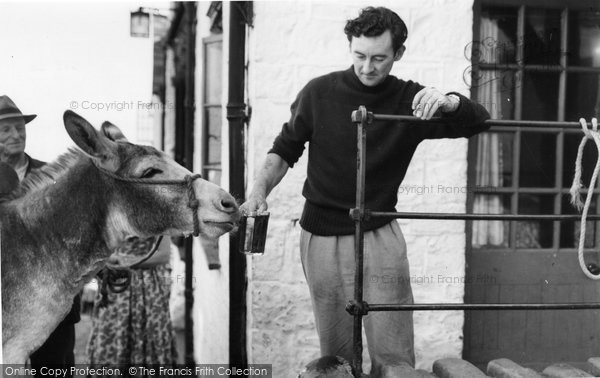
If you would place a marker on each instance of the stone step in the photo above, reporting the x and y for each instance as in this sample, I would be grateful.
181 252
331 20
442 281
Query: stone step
456 368
594 366
406 371
505 368
426 374
564 371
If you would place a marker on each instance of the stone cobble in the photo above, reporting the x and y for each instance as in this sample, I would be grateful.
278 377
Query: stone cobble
504 368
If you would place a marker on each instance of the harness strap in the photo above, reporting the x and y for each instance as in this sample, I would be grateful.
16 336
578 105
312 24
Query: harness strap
188 181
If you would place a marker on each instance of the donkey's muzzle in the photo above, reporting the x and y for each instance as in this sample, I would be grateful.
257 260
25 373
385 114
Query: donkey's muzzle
227 204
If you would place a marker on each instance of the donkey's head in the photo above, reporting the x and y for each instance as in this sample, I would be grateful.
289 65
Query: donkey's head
143 196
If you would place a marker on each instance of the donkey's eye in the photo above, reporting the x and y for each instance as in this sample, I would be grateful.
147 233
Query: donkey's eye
151 172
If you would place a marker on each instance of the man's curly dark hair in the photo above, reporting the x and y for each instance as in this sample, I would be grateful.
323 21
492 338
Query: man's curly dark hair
373 22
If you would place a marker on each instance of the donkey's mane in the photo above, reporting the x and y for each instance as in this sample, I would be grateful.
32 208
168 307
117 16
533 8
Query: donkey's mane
47 174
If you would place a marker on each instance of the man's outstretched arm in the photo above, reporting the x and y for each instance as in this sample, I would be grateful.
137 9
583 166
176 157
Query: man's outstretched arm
271 173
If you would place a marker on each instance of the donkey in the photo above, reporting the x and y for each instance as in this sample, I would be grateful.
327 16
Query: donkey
59 227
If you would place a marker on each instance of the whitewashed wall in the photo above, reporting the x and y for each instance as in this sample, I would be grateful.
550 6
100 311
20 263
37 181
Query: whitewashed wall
211 287
291 43
78 56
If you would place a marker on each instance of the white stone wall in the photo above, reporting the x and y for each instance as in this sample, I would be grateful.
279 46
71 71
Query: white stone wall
211 287
291 43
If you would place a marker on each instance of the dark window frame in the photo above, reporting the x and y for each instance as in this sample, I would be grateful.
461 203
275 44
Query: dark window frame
208 167
558 190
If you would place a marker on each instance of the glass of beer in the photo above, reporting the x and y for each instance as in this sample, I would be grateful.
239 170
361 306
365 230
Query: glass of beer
253 232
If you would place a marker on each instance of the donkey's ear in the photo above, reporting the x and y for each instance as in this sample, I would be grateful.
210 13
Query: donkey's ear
86 137
112 132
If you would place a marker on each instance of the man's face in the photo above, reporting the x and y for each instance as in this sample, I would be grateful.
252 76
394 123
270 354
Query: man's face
12 135
373 57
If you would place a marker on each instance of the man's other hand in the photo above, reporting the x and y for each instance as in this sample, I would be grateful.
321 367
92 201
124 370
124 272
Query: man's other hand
9 180
428 100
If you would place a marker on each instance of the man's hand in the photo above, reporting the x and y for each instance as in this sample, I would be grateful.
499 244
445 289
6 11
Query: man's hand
254 203
273 170
429 100
9 180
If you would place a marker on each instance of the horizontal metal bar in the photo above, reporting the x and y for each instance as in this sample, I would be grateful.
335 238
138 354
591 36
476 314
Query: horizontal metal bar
540 250
535 68
519 190
483 306
548 130
458 216
496 123
503 68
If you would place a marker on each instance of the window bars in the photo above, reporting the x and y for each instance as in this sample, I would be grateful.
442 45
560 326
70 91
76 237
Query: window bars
358 307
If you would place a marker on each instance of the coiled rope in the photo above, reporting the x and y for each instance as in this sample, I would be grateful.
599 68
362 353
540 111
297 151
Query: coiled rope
117 281
576 189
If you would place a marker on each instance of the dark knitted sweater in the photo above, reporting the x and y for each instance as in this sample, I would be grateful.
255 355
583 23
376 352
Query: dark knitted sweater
321 116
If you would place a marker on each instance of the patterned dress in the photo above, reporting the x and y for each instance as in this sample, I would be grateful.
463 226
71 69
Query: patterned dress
135 327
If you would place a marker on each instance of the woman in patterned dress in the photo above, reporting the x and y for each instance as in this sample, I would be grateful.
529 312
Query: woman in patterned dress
134 326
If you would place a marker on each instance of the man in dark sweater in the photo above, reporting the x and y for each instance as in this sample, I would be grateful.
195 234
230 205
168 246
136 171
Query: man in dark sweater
321 116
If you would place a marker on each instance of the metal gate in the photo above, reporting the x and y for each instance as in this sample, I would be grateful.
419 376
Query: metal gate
358 307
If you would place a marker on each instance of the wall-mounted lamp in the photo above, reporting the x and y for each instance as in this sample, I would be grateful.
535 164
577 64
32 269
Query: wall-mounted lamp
140 24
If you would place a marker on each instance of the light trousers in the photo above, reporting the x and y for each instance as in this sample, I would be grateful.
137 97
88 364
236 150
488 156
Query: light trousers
329 266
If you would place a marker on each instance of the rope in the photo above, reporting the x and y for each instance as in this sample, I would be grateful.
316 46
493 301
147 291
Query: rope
144 181
117 280
576 189
188 181
150 254
193 203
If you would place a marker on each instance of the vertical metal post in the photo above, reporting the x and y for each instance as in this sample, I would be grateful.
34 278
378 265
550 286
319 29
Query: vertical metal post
189 302
360 118
236 115
189 28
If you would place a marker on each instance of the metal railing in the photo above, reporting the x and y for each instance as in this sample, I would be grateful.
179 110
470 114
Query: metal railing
358 307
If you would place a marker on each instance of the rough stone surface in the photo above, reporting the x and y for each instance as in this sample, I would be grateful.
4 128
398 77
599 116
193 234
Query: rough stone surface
287 48
505 368
456 368
405 371
594 366
425 374
564 371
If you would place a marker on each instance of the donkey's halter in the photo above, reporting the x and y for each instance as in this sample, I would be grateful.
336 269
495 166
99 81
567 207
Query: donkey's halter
118 280
188 181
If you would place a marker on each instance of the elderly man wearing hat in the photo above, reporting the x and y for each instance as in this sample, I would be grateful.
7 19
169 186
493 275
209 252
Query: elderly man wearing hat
15 165
12 139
